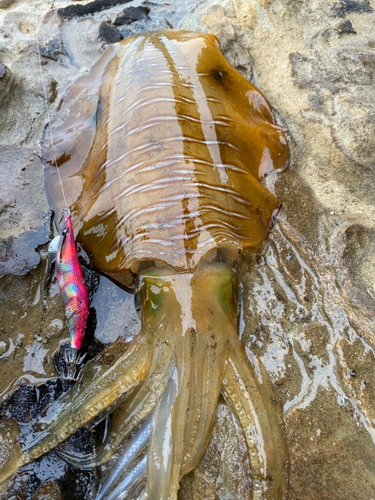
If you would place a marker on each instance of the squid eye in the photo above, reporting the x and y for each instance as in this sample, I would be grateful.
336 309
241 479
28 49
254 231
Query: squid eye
137 302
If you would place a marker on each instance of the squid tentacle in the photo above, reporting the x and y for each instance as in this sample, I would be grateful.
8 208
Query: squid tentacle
180 414
165 452
256 409
205 387
133 449
132 411
160 456
132 484
185 414
114 372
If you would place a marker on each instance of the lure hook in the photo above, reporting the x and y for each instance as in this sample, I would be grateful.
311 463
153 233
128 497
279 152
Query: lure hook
74 361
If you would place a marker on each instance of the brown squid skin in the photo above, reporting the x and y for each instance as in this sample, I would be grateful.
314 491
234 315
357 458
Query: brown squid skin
163 146
161 149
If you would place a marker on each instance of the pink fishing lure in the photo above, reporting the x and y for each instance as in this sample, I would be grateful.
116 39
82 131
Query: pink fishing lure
72 285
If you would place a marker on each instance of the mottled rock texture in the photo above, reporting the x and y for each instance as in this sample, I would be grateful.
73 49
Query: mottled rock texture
308 294
308 301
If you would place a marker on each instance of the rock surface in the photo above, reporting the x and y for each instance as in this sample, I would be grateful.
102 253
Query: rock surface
308 294
131 14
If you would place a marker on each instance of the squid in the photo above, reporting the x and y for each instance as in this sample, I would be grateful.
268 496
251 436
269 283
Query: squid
161 150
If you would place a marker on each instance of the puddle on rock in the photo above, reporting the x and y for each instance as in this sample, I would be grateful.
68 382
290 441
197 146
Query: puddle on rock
115 313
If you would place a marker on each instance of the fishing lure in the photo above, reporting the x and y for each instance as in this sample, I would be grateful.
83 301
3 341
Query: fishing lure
73 288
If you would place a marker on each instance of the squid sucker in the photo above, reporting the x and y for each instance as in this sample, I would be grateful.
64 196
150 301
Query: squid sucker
161 149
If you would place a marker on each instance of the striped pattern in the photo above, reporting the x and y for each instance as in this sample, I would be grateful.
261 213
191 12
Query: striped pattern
175 151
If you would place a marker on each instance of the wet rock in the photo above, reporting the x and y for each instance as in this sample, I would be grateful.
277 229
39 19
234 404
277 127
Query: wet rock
315 338
32 328
318 75
77 484
108 34
92 279
63 480
24 219
353 124
348 6
48 475
54 49
18 255
4 4
357 250
339 446
356 366
29 401
216 19
131 14
5 81
79 10
49 490
346 27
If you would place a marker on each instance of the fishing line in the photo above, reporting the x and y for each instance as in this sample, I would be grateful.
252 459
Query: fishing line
69 274
47 105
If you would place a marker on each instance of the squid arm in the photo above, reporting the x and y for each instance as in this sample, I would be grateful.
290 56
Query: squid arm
260 417
104 380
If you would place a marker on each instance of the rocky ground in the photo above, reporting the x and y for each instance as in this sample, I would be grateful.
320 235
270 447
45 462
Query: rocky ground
308 294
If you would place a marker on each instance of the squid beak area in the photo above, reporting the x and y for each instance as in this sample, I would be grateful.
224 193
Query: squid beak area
188 300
